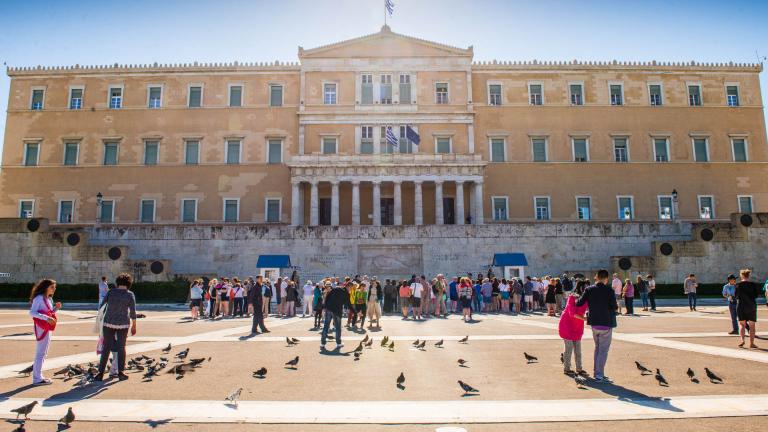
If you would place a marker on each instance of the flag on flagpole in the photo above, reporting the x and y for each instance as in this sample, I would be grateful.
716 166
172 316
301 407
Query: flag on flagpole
392 138
390 5
412 135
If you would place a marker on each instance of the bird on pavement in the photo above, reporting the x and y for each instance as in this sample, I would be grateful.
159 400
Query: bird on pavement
465 339
692 375
369 343
294 340
714 379
234 396
643 370
62 371
197 362
151 372
529 358
293 363
179 373
359 347
660 378
467 388
439 344
365 339
422 345
392 346
462 362
401 380
416 342
384 341
26 371
183 354
357 355
260 373
289 342
68 418
25 409
580 381
86 379
167 349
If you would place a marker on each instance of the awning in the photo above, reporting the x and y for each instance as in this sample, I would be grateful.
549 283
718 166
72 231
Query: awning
516 259
274 261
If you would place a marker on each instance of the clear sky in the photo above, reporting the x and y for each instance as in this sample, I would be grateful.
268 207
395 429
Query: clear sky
60 32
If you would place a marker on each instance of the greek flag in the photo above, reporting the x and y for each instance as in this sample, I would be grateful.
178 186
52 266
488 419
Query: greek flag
412 135
390 5
391 137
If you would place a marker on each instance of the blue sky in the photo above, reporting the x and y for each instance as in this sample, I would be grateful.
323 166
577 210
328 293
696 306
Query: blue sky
63 32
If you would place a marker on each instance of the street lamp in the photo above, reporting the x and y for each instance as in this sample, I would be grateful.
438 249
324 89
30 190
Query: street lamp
674 203
99 200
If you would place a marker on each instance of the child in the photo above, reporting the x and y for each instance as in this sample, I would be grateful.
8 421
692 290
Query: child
571 330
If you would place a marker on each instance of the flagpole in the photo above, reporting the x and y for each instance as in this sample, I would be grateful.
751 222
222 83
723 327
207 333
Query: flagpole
385 12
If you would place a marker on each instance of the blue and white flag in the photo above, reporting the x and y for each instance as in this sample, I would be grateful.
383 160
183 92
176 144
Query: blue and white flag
412 135
390 5
391 137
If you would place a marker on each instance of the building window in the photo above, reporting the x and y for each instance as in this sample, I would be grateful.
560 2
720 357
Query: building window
498 153
580 150
107 214
443 145
405 89
366 140
272 210
31 154
155 97
329 94
500 208
441 93
274 151
745 204
231 210
110 153
147 211
584 208
535 94
620 150
539 146
654 94
577 94
192 152
700 150
666 209
233 152
75 98
406 146
71 153
188 210
661 150
26 209
385 90
366 89
115 97
694 95
235 96
617 94
541 207
195 96
275 95
732 95
151 152
384 144
66 211
38 98
706 207
329 145
739 149
494 94
626 208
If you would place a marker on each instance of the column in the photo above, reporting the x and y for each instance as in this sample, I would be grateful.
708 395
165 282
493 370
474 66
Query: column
313 204
295 207
398 205
301 139
471 138
438 202
376 203
335 203
459 203
478 203
355 202
418 217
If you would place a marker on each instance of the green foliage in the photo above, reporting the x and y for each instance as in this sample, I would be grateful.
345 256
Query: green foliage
146 292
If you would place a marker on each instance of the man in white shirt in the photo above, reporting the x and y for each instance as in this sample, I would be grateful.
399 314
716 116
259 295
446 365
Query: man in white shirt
309 293
417 289
617 288
103 288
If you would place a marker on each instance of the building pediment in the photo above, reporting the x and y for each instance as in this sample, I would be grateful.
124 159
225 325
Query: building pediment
385 43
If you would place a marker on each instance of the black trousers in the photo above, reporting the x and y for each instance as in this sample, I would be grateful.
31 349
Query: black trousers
258 319
652 298
114 340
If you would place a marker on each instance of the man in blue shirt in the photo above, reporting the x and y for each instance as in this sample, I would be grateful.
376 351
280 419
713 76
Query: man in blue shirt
729 292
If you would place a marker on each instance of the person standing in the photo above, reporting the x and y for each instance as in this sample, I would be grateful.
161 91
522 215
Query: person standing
528 289
290 295
601 300
195 298
651 291
405 298
238 293
453 294
628 293
440 294
517 295
550 297
464 290
335 301
617 289
729 293
256 298
43 313
571 330
689 288
417 289
641 287
317 301
103 288
307 307
746 293
119 317
373 308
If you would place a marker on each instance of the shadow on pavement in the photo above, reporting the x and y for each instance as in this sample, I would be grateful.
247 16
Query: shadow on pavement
627 395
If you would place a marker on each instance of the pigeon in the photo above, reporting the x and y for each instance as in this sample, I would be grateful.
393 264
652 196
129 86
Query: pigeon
294 340
439 344
359 348
369 343
289 341
164 359
26 409
660 378
150 373
714 379
416 342
68 418
26 371
529 358
465 339
462 362
384 341
467 388
692 375
197 362
357 355
179 373
401 379
643 370
365 339
183 354
62 371
167 349
562 359
392 346
260 373
293 363
182 368
422 345
234 396
580 381
86 379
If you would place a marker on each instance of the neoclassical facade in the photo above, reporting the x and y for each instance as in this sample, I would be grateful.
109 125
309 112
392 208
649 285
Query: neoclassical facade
384 129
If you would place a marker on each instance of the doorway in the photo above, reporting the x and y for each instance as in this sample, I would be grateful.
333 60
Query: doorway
387 211
449 213
324 211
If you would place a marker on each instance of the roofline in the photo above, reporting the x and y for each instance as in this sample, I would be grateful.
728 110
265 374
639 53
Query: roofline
153 68
617 65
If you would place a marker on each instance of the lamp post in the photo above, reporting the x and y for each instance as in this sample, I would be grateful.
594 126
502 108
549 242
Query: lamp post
99 201
674 204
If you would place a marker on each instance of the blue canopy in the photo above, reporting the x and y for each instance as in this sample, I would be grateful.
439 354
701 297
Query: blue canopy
274 261
516 259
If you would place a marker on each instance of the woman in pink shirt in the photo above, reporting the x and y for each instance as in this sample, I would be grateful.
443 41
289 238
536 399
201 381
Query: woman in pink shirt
571 330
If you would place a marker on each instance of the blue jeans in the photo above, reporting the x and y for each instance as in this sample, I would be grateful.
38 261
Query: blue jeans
692 300
644 298
336 323
476 303
734 320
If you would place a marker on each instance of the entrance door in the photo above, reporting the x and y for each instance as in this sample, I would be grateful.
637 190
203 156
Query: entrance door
387 211
449 215
324 211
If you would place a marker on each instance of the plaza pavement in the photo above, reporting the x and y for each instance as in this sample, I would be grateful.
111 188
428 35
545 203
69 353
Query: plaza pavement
332 391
